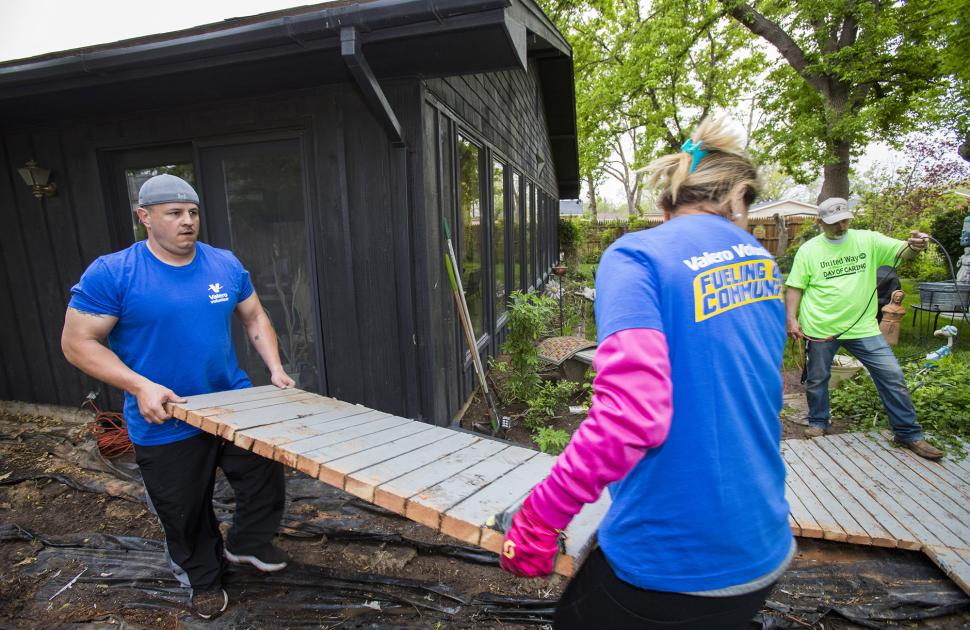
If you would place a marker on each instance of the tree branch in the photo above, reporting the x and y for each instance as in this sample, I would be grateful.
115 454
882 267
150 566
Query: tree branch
777 37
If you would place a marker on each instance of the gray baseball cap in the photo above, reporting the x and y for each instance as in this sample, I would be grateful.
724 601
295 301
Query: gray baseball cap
166 189
833 210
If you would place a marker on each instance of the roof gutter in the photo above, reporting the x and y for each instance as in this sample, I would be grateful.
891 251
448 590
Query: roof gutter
316 29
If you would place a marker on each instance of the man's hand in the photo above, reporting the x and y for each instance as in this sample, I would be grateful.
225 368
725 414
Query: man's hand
151 402
281 379
794 329
917 240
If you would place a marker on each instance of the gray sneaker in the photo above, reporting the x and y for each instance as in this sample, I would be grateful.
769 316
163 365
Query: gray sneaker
210 604
813 432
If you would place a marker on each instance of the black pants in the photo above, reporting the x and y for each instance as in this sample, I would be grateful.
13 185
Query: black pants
179 479
596 598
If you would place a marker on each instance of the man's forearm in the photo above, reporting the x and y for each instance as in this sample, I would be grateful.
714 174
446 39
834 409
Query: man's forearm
99 362
263 337
793 299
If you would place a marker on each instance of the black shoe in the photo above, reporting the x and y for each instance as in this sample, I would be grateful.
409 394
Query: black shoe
269 559
210 604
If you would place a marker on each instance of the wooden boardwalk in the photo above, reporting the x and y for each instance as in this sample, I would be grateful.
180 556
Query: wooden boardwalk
449 480
847 488
861 489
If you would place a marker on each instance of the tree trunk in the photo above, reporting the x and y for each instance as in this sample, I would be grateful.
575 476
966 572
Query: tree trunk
591 190
835 175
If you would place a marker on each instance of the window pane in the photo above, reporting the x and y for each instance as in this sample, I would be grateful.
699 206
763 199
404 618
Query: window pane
265 201
498 234
138 176
470 232
516 231
528 209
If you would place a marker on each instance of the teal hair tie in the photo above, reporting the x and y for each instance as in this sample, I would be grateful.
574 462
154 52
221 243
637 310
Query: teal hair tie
694 148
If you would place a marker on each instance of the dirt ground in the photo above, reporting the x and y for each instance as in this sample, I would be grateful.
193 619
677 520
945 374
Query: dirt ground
353 567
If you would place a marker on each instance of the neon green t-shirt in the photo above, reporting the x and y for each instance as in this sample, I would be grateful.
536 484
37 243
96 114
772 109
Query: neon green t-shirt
838 280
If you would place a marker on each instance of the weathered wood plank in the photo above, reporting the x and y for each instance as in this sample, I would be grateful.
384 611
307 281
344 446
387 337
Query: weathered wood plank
215 399
466 520
797 473
286 395
913 516
807 527
264 440
930 499
864 491
350 440
336 470
427 506
954 562
841 490
227 424
363 483
393 495
326 434
956 488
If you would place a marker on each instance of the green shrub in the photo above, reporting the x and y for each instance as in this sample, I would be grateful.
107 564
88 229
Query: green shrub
551 440
528 318
941 395
548 400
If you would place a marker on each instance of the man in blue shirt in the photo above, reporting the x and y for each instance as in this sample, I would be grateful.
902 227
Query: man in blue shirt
164 306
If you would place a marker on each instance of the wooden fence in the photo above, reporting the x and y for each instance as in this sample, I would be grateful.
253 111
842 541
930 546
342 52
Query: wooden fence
774 233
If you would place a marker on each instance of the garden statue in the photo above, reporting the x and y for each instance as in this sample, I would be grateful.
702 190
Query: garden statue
963 265
892 314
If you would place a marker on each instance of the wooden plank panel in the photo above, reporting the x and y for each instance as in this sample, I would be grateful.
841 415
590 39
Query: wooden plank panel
227 424
466 520
913 516
336 470
797 475
427 506
956 488
266 439
842 490
864 492
933 502
393 494
364 482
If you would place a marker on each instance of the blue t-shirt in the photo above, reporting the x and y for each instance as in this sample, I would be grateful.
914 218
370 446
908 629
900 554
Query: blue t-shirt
173 324
706 509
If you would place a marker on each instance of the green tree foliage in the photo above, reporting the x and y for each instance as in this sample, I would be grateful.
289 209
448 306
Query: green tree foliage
855 71
917 195
649 72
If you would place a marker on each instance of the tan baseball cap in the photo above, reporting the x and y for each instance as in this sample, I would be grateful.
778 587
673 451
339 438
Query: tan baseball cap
833 210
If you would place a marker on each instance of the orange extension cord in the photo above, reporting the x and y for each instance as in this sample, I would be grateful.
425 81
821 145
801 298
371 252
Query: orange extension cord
109 430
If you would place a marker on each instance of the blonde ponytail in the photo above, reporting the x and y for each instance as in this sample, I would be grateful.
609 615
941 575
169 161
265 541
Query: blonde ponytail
712 168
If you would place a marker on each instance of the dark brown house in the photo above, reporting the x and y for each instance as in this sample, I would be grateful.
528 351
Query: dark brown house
328 143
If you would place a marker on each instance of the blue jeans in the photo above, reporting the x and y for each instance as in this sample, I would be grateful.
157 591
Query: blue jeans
878 357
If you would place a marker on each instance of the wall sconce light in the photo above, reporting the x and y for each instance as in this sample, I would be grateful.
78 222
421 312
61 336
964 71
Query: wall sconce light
37 177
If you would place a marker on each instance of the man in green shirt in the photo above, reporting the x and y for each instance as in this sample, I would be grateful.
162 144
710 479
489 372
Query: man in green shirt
831 303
